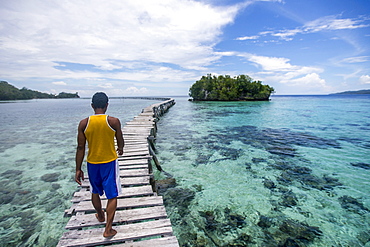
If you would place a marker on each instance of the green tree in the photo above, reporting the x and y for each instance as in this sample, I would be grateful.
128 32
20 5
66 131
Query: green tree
226 88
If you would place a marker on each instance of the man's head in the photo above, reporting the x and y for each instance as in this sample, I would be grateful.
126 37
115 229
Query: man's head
99 100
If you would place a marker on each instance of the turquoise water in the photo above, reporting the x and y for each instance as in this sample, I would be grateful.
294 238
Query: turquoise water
294 171
290 172
38 141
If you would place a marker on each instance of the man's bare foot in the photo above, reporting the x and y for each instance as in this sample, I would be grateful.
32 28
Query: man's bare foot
110 233
100 219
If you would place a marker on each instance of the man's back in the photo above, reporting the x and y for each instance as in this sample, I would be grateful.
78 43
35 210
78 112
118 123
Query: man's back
100 138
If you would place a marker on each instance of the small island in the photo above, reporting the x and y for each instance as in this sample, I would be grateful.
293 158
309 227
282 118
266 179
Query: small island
226 88
9 92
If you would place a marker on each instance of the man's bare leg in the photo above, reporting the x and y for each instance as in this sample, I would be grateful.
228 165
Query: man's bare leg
111 210
95 198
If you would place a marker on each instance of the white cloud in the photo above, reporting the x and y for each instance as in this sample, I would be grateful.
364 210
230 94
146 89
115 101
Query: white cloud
108 35
106 85
359 59
279 70
333 23
60 83
325 23
247 37
136 91
271 63
365 79
310 80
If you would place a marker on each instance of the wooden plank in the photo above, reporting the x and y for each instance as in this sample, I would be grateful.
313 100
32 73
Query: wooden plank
141 145
126 181
145 190
156 242
122 203
134 173
122 216
147 113
137 166
120 158
133 162
135 149
140 123
135 141
130 154
134 181
137 128
129 232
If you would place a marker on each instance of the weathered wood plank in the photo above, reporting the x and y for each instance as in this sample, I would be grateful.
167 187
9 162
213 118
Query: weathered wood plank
122 203
129 232
135 149
134 181
131 154
137 128
126 181
120 158
156 242
122 216
140 166
133 162
134 173
145 190
133 141
136 146
140 123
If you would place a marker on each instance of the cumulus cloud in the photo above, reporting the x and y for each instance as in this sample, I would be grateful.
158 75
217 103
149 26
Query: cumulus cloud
365 79
136 91
109 34
271 63
311 80
280 70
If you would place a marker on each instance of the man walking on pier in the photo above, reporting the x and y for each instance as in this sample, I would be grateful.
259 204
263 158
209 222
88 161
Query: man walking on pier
99 131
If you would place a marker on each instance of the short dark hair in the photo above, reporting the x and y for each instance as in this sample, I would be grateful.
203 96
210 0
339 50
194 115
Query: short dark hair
99 100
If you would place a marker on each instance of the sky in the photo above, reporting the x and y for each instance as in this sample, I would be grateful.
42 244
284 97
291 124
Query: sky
162 47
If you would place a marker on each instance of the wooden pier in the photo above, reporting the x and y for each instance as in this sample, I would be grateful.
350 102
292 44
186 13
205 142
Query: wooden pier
141 218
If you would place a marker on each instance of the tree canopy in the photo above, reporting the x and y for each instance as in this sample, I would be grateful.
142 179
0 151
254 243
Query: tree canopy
9 92
226 88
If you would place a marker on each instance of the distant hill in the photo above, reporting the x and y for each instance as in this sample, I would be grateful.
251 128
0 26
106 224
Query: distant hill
365 91
9 92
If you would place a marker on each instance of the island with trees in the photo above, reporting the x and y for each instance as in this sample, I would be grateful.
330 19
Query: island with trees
9 92
226 88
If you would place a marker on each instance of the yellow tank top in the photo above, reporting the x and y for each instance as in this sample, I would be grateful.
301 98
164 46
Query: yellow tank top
100 138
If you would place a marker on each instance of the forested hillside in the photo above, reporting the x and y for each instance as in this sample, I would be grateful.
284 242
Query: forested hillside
9 92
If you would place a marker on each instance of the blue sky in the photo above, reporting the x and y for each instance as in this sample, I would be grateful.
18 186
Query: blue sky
160 48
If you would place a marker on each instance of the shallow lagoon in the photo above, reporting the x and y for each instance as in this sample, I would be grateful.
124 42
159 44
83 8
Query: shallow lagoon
294 171
38 140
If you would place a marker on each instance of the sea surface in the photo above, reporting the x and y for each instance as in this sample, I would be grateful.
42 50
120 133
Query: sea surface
294 171
37 167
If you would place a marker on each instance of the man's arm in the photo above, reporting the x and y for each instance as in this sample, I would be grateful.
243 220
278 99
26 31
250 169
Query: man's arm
80 151
116 125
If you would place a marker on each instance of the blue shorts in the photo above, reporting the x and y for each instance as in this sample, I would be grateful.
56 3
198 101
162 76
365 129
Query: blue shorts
104 178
